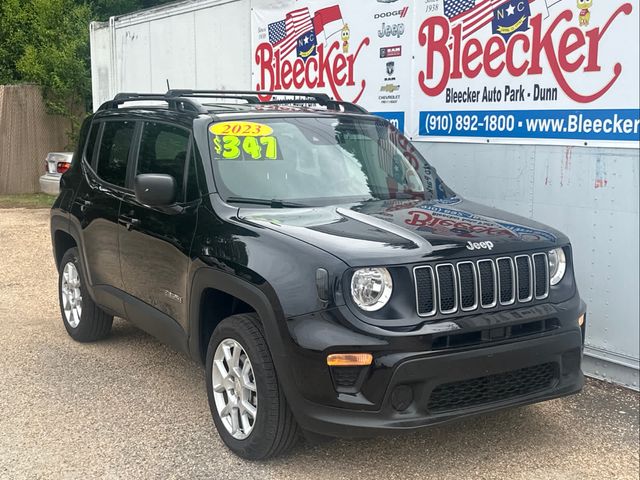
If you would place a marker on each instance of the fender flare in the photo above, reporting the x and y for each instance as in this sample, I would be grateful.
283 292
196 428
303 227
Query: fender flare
67 225
264 301
268 309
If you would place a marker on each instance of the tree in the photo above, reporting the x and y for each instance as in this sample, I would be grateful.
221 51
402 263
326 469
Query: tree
103 9
15 33
57 58
47 42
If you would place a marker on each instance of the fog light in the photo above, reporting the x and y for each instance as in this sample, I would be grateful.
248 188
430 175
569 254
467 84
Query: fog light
401 397
349 359
581 320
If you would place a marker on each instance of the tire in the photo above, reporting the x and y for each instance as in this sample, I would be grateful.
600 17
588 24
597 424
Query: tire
274 430
89 323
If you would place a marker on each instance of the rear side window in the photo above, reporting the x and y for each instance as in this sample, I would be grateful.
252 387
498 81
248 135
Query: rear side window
114 151
91 142
163 149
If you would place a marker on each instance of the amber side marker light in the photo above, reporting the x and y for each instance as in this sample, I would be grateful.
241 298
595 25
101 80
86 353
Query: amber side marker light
349 359
581 320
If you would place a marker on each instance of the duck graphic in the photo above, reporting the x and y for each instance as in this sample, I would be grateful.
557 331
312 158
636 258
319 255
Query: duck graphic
346 34
585 14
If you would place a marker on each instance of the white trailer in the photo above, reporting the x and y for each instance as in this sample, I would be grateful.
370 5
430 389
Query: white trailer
589 192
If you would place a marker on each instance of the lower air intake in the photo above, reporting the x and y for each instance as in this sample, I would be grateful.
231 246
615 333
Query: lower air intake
492 388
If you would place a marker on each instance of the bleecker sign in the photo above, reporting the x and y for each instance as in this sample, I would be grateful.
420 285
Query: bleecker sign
330 68
336 47
566 70
507 71
468 58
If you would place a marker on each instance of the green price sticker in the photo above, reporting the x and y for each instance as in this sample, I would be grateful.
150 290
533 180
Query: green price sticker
230 147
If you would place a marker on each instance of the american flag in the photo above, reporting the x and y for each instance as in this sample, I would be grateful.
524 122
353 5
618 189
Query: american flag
284 34
472 14
456 7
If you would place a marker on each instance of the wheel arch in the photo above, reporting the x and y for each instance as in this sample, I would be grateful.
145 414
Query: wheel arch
62 242
236 296
67 231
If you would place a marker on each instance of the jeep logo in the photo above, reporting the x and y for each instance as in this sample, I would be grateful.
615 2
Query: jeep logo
396 30
479 245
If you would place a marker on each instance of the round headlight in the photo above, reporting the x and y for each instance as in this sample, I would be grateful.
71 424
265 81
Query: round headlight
557 265
371 288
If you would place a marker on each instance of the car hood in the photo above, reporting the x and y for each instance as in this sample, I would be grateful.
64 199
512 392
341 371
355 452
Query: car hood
407 231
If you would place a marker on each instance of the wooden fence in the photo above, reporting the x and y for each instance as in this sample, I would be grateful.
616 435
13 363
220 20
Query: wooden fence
27 134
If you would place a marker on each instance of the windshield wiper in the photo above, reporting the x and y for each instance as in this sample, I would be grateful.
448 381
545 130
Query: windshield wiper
273 203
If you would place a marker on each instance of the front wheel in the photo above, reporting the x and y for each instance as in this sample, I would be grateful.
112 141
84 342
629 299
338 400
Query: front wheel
245 398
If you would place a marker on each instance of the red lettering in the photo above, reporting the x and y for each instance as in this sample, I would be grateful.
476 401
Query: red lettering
312 66
448 56
491 53
298 73
434 45
330 67
471 51
568 46
511 65
285 73
339 64
457 39
263 57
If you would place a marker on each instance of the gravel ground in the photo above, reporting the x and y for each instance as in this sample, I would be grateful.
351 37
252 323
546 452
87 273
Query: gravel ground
129 407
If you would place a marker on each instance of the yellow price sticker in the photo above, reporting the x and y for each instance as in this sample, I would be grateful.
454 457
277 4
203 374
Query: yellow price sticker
241 129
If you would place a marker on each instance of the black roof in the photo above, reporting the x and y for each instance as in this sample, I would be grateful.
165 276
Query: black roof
221 102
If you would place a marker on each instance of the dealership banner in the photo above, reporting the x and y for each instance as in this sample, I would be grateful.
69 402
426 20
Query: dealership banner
355 51
507 71
527 69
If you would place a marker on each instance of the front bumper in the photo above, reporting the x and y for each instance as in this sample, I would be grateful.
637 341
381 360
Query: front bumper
409 386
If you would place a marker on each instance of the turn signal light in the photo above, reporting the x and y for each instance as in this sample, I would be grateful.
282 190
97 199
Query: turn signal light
349 359
581 320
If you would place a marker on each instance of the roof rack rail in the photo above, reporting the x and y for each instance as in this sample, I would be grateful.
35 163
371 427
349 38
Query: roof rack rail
212 94
184 100
181 104
318 98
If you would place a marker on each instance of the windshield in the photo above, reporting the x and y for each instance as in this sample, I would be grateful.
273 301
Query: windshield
319 161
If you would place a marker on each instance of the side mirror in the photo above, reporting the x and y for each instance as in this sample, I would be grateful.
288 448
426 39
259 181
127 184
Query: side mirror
155 189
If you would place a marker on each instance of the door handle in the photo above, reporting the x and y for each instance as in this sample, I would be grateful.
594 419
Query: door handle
84 203
129 222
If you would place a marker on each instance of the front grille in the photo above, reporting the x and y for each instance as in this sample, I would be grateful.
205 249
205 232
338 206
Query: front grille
492 388
427 297
525 278
506 281
447 288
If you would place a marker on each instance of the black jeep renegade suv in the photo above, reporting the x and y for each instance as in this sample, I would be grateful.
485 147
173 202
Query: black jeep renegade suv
312 259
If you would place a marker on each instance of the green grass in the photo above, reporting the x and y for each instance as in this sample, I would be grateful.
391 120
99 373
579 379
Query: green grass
27 200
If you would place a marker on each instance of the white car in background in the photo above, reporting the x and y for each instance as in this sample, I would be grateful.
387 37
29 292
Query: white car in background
55 165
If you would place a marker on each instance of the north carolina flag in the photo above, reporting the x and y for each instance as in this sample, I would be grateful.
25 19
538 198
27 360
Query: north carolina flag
328 21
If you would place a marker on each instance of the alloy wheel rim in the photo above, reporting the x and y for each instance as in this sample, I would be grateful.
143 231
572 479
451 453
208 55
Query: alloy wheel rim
234 388
71 295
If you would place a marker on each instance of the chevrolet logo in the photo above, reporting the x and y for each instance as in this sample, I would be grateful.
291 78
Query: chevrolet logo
389 88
